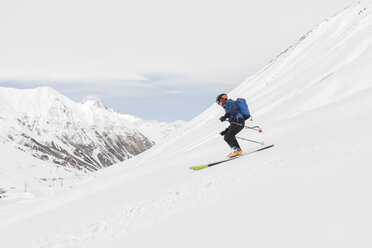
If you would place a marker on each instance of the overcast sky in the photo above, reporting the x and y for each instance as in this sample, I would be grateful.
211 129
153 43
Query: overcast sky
157 59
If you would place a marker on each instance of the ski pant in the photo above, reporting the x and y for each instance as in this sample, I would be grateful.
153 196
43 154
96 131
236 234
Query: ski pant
233 130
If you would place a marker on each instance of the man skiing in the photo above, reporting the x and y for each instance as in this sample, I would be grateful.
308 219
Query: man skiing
237 122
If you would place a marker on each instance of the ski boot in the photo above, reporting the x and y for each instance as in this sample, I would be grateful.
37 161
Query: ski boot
235 153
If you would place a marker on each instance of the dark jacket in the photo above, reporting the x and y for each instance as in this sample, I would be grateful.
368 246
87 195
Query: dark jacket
232 111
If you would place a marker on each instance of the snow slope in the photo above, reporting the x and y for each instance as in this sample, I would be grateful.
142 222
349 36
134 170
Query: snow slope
314 102
24 178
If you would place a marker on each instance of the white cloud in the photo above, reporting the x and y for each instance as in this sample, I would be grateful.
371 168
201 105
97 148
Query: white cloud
207 41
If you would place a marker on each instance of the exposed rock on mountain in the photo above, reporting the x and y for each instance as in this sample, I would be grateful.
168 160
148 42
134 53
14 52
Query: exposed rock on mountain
52 127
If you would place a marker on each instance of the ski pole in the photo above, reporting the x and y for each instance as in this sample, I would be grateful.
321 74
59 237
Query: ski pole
256 128
261 143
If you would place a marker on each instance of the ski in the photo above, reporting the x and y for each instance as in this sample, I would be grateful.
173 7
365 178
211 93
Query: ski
200 167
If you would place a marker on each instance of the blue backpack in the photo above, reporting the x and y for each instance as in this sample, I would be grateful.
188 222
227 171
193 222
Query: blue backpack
243 108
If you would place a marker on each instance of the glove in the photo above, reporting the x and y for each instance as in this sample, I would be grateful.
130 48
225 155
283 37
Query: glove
223 132
223 118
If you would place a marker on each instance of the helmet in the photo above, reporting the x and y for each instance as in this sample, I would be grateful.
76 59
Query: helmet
221 97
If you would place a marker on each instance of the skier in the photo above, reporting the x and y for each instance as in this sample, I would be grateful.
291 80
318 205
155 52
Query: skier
237 122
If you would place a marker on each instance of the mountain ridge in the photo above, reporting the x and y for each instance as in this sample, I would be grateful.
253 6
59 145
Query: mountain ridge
53 127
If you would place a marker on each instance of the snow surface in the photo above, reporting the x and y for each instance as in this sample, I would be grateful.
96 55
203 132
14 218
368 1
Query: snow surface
24 178
314 102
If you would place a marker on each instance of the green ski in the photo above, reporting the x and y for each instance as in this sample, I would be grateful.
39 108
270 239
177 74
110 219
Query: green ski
200 167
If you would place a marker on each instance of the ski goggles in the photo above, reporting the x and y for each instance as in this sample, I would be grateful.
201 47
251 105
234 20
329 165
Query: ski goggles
222 98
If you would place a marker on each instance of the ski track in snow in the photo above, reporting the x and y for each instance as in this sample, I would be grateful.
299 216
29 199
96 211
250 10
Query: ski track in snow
122 222
144 214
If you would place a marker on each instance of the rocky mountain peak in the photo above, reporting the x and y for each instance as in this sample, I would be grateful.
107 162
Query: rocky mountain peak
52 127
93 101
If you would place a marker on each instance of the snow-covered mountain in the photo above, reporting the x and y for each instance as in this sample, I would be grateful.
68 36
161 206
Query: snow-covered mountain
157 131
54 128
314 102
94 102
